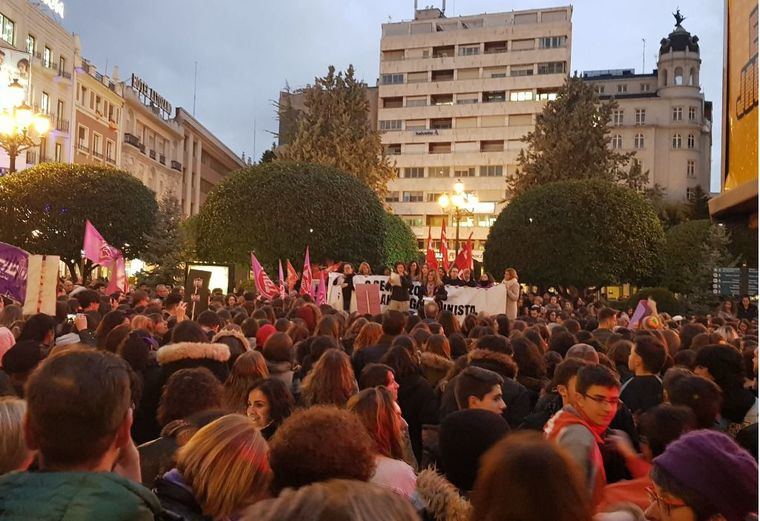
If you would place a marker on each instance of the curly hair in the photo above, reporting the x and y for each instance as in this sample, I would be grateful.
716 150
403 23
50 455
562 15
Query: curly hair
303 450
247 370
331 381
189 391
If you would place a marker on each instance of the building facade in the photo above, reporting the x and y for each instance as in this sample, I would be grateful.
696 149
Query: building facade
206 161
98 104
455 98
663 117
32 29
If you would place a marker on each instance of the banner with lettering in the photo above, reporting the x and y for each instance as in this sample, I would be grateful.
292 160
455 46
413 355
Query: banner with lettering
461 301
42 284
14 266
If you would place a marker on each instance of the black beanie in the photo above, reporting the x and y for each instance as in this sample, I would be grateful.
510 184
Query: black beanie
22 357
463 438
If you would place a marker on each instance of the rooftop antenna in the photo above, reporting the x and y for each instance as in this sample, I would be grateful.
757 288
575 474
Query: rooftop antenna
195 85
643 54
105 72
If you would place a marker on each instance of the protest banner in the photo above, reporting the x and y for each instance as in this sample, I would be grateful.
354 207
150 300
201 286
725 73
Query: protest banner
42 284
14 266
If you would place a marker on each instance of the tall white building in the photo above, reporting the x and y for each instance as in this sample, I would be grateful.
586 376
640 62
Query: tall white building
456 95
663 117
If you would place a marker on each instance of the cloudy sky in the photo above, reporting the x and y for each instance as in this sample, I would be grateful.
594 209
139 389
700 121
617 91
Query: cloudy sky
247 49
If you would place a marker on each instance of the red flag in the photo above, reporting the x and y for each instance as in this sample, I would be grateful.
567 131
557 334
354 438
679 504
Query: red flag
464 257
96 248
281 281
292 277
470 259
306 279
334 268
432 262
322 290
264 284
444 247
119 281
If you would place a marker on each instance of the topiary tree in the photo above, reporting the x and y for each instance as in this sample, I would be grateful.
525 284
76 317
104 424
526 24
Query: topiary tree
576 234
400 241
277 209
43 210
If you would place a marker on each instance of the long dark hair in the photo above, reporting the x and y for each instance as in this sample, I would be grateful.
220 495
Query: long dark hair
281 402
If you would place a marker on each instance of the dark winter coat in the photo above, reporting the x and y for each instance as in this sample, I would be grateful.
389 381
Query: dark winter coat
435 367
419 406
145 426
189 355
177 499
371 354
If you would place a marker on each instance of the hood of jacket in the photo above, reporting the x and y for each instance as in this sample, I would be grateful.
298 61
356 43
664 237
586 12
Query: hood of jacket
434 361
442 499
193 351
234 334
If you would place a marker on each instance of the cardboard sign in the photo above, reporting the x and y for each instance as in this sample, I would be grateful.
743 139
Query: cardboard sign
42 283
367 299
197 292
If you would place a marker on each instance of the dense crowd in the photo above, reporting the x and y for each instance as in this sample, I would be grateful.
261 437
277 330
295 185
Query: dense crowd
123 407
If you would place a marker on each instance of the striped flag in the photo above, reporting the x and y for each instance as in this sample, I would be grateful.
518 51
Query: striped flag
264 284
292 279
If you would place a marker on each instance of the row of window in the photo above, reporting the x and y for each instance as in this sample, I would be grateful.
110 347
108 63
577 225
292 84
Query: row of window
100 106
432 125
616 141
83 144
475 49
8 34
495 145
622 88
57 152
483 221
418 172
640 116
474 73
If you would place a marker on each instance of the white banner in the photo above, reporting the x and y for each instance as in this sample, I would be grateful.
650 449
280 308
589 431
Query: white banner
461 300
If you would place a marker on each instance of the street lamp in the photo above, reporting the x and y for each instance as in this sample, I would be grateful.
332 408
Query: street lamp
460 204
17 124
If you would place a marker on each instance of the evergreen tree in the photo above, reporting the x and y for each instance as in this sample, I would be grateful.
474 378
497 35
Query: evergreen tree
335 131
165 248
698 206
269 155
570 141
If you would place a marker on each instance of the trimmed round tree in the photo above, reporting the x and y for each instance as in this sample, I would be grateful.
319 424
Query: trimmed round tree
43 209
400 241
277 209
579 234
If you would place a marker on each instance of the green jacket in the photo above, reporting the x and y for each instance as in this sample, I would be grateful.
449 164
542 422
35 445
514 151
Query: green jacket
70 496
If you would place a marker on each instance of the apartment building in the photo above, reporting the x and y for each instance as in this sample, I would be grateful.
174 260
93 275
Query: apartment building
50 87
663 117
456 95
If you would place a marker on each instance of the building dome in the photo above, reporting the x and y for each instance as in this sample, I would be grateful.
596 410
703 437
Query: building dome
680 39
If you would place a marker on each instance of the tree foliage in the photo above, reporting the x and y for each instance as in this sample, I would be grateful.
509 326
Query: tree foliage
43 209
576 234
269 154
335 131
277 209
400 241
698 207
570 141
165 248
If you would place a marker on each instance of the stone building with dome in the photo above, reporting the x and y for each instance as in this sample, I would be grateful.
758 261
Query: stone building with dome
663 116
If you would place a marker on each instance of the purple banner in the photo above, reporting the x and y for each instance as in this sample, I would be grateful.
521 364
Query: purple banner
14 265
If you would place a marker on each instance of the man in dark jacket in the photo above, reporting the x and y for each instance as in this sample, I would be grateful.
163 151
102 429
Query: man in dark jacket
78 419
393 325
746 309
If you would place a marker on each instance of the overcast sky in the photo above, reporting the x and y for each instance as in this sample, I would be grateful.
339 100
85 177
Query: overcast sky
247 49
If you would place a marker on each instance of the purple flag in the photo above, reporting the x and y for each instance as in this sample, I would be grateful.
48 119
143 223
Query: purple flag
14 266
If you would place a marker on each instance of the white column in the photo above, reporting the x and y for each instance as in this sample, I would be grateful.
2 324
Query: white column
197 195
188 174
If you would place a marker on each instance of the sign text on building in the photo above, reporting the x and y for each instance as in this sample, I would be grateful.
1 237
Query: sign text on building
151 95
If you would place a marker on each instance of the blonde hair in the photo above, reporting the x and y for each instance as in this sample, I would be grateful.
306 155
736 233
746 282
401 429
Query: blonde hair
141 322
226 464
368 335
13 450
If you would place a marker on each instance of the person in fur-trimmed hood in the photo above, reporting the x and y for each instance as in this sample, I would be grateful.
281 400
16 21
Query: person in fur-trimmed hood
435 358
235 340
189 350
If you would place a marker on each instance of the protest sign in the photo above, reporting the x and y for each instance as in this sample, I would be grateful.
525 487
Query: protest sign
14 265
42 284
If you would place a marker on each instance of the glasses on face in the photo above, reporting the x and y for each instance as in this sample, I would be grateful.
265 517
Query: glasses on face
601 400
664 504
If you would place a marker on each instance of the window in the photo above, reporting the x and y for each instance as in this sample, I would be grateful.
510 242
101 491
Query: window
617 141
45 103
391 79
393 103
691 194
390 124
59 112
599 89
676 140
521 95
47 57
414 172
494 96
521 70
31 44
638 141
393 55
692 113
468 74
439 148
690 141
82 137
641 116
416 77
416 101
678 76
43 149
412 197
97 143
677 113
432 197
442 75
469 50
109 150
690 168
644 87
441 99
61 65
491 171
622 88
546 95
492 146
464 172
393 149
552 42
412 124
392 197
551 68
617 117
58 153
438 171
7 29
440 123
413 220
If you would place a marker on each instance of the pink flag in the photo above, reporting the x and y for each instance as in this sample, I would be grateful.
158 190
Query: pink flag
281 282
292 277
306 280
322 290
118 280
96 248
264 284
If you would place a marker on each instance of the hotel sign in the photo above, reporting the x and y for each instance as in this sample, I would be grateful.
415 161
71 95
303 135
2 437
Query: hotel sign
151 95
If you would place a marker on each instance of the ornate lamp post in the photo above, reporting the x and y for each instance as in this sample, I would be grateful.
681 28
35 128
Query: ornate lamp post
460 204
17 124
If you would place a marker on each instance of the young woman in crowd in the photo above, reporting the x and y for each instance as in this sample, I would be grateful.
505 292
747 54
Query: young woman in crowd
249 368
269 404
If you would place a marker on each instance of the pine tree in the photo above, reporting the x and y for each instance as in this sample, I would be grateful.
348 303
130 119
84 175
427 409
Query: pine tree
269 155
335 131
698 206
165 245
570 141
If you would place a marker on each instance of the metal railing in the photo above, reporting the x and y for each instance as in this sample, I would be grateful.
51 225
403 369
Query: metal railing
131 139
61 125
162 159
176 165
152 154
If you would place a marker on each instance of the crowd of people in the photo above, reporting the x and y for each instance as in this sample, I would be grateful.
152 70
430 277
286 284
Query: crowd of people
125 407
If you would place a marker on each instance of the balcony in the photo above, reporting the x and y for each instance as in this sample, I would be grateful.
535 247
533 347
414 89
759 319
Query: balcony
162 159
131 139
31 157
82 147
152 154
61 125
64 74
98 155
176 165
111 160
